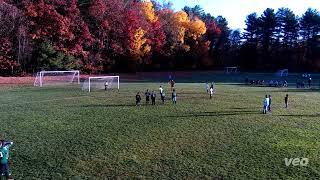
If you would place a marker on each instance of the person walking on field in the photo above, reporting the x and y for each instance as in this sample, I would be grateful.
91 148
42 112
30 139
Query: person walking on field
4 159
265 104
270 101
211 92
286 100
207 87
153 98
174 96
162 94
138 99
147 94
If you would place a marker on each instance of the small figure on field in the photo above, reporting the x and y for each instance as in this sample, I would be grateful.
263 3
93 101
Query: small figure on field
270 101
174 96
265 104
106 84
138 99
207 87
4 158
162 94
211 92
153 98
147 94
286 100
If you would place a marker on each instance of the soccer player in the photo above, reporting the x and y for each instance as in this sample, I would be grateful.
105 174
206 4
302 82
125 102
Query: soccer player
286 100
174 96
153 98
162 94
265 104
4 158
106 84
138 99
270 101
211 92
207 87
147 94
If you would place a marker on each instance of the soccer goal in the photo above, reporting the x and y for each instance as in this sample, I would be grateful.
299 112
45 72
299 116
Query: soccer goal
101 82
283 73
47 78
231 70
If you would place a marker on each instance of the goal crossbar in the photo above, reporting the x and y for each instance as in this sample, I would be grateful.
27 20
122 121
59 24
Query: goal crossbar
40 76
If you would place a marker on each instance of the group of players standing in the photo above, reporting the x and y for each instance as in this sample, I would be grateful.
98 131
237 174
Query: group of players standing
152 95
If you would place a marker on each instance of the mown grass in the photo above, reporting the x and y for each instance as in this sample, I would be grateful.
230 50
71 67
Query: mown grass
63 133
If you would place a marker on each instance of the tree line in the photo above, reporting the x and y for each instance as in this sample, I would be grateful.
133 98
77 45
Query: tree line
100 36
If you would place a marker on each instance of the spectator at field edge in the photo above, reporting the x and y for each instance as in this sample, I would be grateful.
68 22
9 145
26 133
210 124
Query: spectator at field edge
4 158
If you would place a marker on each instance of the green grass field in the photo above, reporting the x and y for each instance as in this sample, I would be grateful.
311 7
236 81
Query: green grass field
65 133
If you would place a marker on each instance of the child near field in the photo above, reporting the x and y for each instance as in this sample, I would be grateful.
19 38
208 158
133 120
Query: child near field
211 92
153 98
147 94
4 158
174 96
265 104
207 87
138 99
106 84
162 94
270 101
286 100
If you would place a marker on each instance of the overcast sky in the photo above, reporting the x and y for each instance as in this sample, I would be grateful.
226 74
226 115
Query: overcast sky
235 11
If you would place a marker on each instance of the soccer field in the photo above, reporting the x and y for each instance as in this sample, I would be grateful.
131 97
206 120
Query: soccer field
63 133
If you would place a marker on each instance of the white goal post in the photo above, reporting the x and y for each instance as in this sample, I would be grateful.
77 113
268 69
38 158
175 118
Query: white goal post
283 73
230 70
101 82
56 77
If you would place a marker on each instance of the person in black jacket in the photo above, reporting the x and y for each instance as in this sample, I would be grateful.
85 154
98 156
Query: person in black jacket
138 99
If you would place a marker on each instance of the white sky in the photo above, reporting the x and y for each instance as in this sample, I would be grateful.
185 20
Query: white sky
235 11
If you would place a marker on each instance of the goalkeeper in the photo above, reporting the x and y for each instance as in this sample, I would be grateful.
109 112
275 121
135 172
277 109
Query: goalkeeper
4 158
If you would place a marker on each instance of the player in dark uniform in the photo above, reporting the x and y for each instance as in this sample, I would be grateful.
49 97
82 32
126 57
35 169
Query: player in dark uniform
153 98
147 94
286 99
138 99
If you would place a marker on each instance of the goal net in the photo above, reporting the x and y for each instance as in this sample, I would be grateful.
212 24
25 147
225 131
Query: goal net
101 82
47 78
283 73
231 70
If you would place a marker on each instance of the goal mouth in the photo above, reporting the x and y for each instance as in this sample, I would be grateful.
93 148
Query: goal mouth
56 78
231 70
101 83
283 73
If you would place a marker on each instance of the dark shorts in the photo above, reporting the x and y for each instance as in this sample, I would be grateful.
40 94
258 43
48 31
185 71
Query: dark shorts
4 170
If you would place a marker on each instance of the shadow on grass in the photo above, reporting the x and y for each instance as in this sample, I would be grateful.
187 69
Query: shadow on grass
300 115
218 113
108 105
